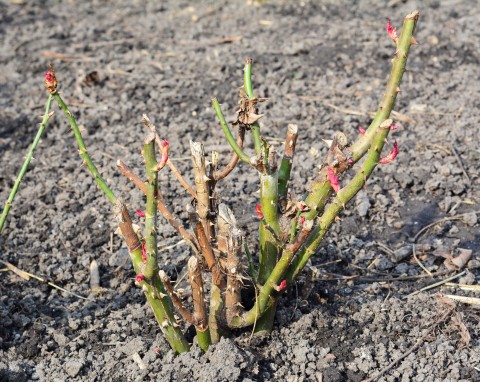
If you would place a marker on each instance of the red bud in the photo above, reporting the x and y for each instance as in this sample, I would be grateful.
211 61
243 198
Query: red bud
139 278
258 210
392 32
282 286
391 155
333 179
164 158
140 213
361 130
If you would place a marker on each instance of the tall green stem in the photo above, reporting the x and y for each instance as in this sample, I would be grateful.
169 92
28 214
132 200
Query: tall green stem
151 266
26 163
269 250
321 190
247 85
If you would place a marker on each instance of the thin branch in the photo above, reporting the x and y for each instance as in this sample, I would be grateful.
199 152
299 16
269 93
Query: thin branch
161 205
218 175
169 163
176 300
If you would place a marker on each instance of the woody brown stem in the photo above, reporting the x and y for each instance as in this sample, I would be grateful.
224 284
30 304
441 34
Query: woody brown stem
234 282
161 205
204 201
206 249
176 300
199 307
218 175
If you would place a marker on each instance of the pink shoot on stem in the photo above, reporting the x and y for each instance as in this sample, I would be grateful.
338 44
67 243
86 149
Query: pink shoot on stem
48 77
361 130
51 80
258 210
302 220
281 286
392 32
393 127
333 179
139 278
140 213
391 155
164 158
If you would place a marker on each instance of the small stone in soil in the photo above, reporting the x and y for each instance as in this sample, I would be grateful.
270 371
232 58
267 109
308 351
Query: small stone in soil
73 367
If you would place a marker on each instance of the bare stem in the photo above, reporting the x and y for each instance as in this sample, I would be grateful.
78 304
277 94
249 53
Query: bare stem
218 175
204 192
176 300
199 307
236 147
83 151
247 85
233 293
286 164
151 266
26 163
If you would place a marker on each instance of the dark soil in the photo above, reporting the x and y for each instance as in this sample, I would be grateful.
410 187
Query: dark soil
349 316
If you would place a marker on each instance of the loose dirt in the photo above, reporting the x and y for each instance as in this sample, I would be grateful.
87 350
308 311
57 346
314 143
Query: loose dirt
323 64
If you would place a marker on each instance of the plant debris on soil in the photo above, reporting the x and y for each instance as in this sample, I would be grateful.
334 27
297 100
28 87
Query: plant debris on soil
356 314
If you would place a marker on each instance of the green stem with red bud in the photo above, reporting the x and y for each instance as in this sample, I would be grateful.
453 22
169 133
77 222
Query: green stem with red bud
26 163
154 292
288 266
321 190
338 204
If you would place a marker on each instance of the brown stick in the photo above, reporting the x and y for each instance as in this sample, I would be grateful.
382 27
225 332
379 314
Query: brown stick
172 167
202 186
180 178
218 175
301 237
233 292
176 300
206 249
125 224
198 294
135 179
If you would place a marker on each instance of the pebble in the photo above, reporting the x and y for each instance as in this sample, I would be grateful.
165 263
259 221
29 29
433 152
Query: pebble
73 367
402 253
